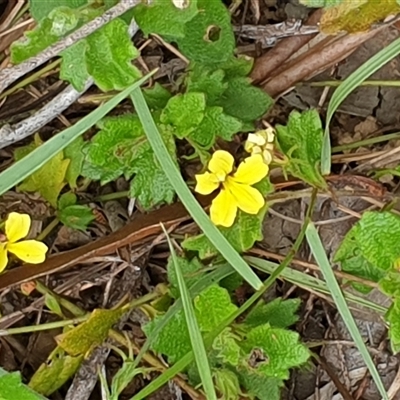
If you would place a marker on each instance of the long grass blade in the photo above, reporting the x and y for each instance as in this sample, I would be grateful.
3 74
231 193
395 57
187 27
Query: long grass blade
188 200
346 87
37 158
196 340
318 251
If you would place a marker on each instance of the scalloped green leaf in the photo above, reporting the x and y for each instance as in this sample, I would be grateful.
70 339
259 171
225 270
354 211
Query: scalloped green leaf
74 152
301 141
40 9
260 386
371 247
164 18
208 38
393 318
273 351
11 387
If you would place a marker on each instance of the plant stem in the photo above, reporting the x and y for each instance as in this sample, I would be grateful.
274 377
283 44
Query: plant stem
366 142
335 83
46 231
112 196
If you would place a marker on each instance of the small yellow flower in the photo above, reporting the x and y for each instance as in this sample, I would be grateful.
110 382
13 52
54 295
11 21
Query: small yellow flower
16 228
236 189
261 142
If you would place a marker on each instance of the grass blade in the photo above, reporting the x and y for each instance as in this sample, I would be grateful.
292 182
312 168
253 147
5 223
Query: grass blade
37 158
318 251
196 340
188 200
346 87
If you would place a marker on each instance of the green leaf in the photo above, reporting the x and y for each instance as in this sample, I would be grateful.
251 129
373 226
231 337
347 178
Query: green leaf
157 96
124 377
59 22
66 200
164 18
74 153
214 124
390 283
53 305
73 67
227 349
54 373
278 313
11 387
208 38
262 387
212 306
49 179
242 235
91 333
173 340
237 66
40 9
371 247
184 112
76 216
121 148
244 101
227 383
301 141
393 319
109 56
275 350
203 79
191 270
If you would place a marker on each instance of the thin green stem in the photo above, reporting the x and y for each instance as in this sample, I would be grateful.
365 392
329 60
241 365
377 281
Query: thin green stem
112 196
46 231
334 83
43 327
366 142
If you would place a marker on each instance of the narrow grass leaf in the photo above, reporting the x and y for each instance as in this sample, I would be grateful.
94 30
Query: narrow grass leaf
318 251
346 87
196 340
188 200
37 158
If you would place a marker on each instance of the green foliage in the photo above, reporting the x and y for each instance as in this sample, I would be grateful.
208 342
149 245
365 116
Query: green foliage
393 318
208 38
52 374
11 387
59 23
301 141
121 148
242 235
157 97
74 215
321 3
184 112
164 18
369 250
264 388
227 383
278 313
275 351
244 101
74 152
49 179
41 9
91 333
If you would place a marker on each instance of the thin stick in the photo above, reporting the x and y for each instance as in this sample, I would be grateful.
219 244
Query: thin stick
10 75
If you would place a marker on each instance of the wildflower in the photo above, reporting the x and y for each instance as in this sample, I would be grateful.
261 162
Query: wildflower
261 142
16 228
236 191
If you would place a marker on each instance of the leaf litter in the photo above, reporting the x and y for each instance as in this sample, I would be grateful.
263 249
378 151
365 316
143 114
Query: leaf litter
217 106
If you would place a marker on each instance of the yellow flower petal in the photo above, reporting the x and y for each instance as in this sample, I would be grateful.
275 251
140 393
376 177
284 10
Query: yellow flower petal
3 257
206 183
251 170
221 164
247 198
258 138
30 251
223 209
17 226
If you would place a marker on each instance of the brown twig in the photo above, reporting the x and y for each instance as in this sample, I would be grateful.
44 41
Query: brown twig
10 75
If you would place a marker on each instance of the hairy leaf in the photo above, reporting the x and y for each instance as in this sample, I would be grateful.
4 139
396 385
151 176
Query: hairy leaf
40 9
301 141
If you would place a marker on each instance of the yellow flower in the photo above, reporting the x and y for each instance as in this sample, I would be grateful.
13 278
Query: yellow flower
31 251
261 142
236 189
